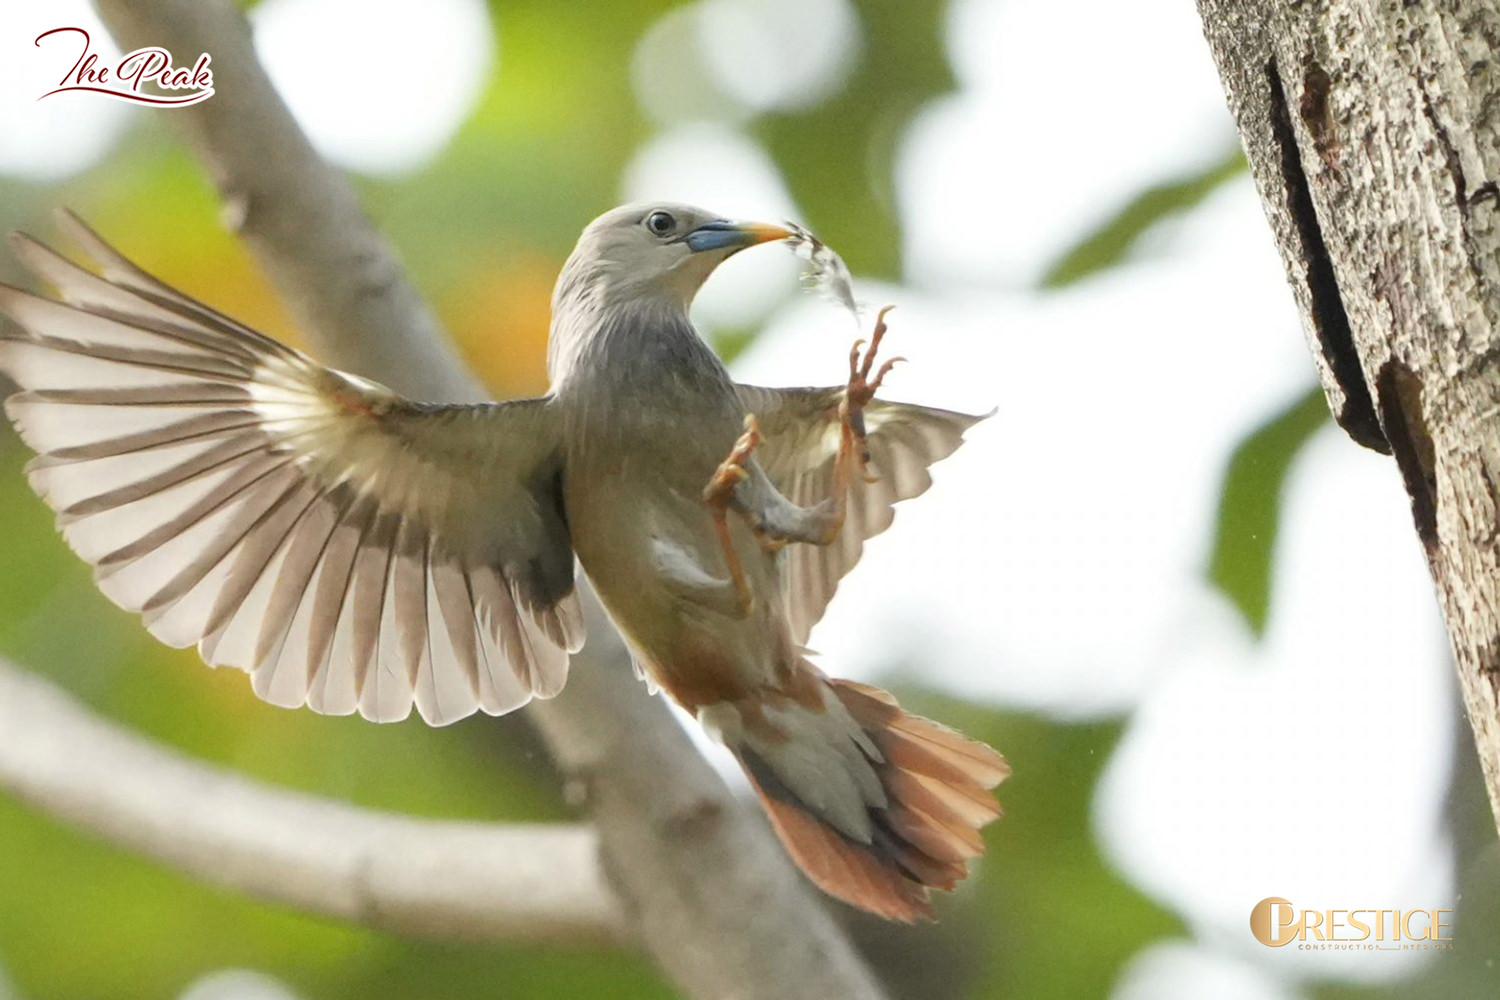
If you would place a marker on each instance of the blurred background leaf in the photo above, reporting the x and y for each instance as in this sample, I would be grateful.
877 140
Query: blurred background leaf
1250 505
839 157
1113 241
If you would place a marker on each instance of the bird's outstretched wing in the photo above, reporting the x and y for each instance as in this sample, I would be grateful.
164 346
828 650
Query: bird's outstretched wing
801 437
349 549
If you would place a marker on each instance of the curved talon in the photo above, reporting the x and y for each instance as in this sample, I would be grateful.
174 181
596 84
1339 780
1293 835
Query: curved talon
854 357
853 453
860 391
885 370
769 542
862 386
732 470
875 337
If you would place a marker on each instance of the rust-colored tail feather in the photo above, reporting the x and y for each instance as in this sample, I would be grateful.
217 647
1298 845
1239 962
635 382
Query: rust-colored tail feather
938 784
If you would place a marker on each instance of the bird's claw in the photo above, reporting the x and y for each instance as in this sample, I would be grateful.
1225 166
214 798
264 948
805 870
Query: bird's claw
862 386
719 495
731 472
770 542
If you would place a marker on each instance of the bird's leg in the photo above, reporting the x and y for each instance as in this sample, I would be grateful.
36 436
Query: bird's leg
773 519
719 495
854 451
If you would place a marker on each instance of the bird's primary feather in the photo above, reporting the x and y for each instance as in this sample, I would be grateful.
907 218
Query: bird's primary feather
350 550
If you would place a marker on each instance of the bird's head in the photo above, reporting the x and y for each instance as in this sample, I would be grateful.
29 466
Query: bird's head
659 253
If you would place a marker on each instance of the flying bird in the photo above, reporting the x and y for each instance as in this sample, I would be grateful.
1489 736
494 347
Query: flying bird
356 551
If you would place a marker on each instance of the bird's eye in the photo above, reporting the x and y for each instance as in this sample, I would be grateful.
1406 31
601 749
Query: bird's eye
661 223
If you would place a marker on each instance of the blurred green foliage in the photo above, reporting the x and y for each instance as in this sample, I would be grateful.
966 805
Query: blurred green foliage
844 149
1063 896
1111 243
1250 505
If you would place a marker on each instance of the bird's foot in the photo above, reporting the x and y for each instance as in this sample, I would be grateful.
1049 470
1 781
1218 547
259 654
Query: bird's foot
862 387
719 493
719 496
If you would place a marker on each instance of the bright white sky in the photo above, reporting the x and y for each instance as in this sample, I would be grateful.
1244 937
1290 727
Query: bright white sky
1058 561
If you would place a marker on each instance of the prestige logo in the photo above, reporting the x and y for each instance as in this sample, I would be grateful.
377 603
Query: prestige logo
1275 922
125 80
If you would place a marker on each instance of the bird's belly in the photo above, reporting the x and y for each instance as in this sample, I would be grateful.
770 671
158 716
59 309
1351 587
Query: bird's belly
646 544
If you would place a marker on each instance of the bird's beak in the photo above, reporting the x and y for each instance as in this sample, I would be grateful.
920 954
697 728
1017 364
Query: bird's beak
722 234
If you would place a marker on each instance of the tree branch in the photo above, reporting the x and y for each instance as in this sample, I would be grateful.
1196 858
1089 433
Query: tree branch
707 888
469 881
300 218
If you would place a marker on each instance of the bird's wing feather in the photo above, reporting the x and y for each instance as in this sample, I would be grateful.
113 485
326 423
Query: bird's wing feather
349 549
801 429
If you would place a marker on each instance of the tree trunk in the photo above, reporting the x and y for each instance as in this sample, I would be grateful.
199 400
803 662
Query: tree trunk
1373 132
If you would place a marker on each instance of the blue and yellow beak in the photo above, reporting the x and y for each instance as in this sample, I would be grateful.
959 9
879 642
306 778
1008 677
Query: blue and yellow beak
722 234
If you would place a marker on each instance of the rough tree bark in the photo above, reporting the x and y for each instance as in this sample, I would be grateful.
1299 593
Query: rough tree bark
701 883
1373 132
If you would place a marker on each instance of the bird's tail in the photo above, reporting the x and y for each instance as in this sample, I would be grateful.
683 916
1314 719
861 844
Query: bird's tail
876 805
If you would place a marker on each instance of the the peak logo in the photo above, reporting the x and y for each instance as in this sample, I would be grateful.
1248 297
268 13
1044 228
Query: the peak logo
126 80
1275 922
